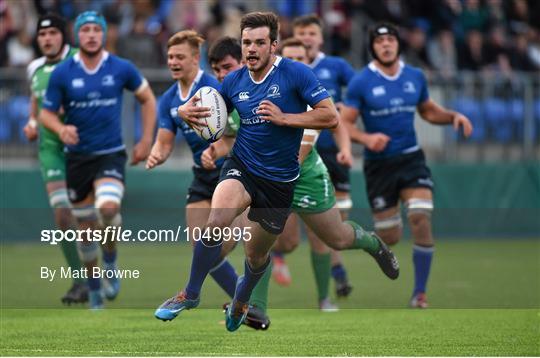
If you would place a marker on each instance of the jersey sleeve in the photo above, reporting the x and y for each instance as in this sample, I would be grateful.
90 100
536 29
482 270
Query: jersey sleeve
353 97
309 87
165 119
133 77
424 93
54 94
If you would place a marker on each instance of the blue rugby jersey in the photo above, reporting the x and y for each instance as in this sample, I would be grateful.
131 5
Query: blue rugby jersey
334 74
92 100
268 150
388 105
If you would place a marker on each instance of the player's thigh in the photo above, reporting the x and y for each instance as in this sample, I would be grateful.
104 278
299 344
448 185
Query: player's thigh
197 215
109 193
329 227
388 224
289 239
230 200
415 193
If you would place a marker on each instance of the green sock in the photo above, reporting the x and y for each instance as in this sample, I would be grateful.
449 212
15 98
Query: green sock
69 249
363 239
259 295
321 269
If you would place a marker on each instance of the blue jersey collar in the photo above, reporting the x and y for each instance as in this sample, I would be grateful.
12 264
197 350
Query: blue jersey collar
77 59
274 65
193 84
374 68
317 60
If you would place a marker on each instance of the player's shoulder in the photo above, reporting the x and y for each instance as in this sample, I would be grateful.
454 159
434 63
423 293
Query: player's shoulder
234 76
34 66
336 60
416 72
170 93
118 61
293 68
364 74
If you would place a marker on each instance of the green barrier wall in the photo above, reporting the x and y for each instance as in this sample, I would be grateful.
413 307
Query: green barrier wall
488 200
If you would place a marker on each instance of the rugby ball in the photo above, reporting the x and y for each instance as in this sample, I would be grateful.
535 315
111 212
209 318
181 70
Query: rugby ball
216 123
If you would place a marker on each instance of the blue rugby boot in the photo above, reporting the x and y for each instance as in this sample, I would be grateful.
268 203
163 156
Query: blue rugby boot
174 305
95 298
235 315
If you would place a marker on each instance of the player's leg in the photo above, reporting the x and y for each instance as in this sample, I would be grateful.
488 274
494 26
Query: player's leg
53 170
222 272
419 205
341 180
109 193
388 225
320 263
230 200
255 267
285 243
64 219
349 235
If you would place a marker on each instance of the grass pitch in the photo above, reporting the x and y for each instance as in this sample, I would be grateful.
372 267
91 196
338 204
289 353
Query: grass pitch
484 295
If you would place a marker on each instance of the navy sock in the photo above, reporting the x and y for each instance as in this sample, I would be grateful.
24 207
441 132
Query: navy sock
249 281
204 258
109 260
339 273
422 263
94 283
225 276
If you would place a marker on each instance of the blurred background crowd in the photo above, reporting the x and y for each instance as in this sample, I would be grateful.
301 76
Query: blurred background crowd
488 50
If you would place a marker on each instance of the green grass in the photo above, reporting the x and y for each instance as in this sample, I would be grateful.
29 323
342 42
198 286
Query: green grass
484 296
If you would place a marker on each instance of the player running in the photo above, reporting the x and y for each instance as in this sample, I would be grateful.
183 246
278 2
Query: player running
261 172
89 88
52 43
387 93
334 73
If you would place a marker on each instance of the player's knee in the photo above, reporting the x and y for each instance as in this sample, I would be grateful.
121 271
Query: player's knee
108 198
287 246
389 229
85 214
64 218
256 259
419 212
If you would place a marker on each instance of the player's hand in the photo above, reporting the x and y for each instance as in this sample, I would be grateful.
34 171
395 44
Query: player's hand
155 158
270 112
30 130
141 151
464 122
192 114
376 142
69 135
208 157
344 157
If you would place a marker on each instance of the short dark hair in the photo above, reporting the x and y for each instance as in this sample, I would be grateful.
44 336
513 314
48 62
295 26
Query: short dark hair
223 47
306 20
291 42
261 19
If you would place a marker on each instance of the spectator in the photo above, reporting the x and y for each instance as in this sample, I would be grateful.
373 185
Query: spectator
442 53
472 56
20 50
415 53
496 47
473 17
140 47
519 58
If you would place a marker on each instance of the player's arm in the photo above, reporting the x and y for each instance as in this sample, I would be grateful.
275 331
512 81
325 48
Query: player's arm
375 142
324 115
217 150
30 129
146 98
436 114
161 149
68 133
343 141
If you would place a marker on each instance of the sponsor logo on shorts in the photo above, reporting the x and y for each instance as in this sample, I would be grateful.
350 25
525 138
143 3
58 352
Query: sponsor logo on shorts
53 173
425 181
112 173
306 202
271 224
379 202
72 194
234 173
